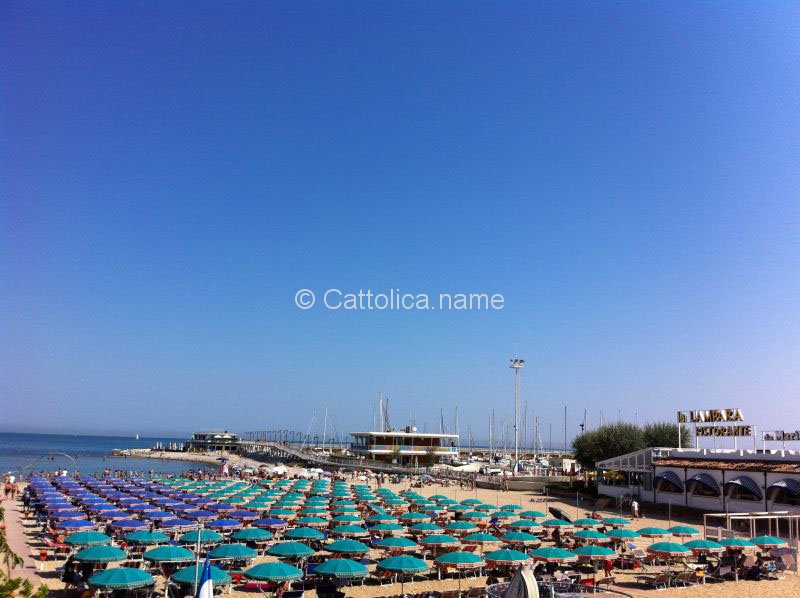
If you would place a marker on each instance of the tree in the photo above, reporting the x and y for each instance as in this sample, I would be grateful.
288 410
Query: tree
665 434
607 441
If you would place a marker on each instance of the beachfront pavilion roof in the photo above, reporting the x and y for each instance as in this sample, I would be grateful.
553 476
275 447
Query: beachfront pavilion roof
638 461
713 459
733 465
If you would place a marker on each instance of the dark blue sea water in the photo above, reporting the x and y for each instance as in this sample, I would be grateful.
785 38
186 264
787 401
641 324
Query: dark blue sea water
36 452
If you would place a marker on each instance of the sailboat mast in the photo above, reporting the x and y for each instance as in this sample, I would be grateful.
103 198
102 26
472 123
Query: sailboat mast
325 430
491 433
458 439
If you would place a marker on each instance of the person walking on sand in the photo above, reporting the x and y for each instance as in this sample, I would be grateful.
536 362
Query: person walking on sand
635 509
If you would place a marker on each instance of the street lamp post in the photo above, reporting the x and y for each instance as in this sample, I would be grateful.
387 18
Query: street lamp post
516 365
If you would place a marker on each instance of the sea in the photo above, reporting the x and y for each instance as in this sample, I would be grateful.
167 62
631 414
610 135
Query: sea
26 453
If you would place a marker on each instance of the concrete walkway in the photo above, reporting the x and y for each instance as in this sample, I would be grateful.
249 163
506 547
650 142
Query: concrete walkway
19 542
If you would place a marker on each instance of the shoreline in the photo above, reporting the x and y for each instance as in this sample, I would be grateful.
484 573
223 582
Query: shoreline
205 458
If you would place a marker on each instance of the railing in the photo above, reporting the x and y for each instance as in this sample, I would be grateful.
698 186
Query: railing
401 448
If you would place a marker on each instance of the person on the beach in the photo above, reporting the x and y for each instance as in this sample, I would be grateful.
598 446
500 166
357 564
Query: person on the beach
284 587
608 567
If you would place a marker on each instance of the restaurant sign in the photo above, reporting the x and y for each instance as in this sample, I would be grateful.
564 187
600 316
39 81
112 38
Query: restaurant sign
708 416
781 436
724 431
707 422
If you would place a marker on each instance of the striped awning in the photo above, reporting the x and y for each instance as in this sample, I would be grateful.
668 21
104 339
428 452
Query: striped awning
790 485
705 480
746 483
671 478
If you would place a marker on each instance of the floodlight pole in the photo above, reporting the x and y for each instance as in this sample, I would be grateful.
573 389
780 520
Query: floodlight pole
516 365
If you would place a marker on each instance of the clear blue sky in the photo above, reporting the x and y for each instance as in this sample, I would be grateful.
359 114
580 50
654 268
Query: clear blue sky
626 174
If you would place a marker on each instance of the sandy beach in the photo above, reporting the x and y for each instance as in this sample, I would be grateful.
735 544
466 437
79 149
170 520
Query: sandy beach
21 534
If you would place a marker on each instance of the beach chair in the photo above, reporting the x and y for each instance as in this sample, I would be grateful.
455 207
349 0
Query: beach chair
788 561
607 581
684 579
58 548
261 586
720 574
383 576
476 592
660 581
640 557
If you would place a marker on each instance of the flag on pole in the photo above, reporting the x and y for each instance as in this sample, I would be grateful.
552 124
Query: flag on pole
205 588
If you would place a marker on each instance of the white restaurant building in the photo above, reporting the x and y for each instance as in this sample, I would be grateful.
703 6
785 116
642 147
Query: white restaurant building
721 480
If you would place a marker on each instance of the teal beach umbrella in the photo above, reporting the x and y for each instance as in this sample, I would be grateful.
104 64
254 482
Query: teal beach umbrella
189 575
88 538
551 554
121 578
101 554
275 572
232 552
290 550
342 569
169 554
